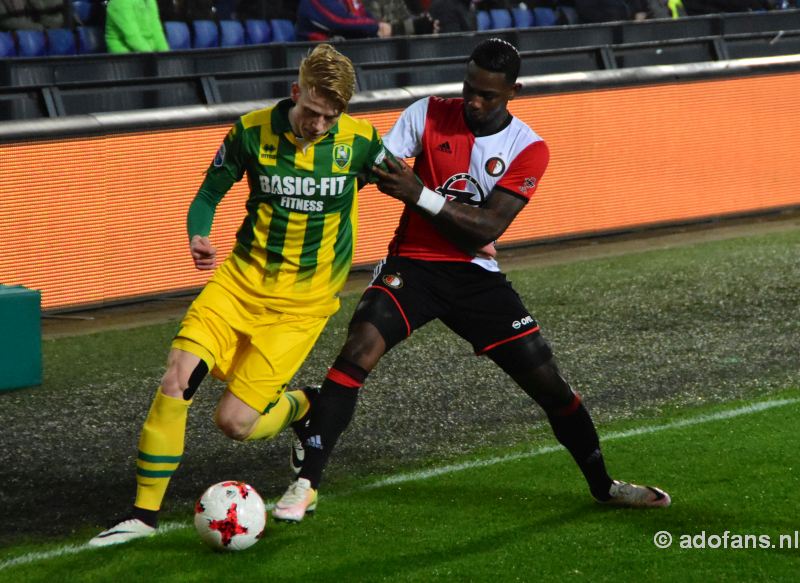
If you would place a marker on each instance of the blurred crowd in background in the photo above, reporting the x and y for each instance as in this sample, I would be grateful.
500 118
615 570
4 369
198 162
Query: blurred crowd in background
136 25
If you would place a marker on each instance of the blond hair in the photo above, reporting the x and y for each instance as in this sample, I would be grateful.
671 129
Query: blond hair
329 73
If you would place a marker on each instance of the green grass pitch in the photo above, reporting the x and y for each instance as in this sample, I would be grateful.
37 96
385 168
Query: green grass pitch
687 358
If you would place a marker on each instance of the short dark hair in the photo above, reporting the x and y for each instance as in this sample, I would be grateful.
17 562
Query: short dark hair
497 56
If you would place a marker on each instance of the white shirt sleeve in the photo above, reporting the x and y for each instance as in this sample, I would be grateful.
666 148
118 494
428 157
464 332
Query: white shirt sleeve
404 140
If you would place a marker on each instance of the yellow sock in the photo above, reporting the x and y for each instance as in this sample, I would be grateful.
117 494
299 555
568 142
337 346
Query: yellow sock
291 406
160 449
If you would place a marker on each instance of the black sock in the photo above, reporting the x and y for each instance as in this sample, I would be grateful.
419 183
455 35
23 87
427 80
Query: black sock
149 517
331 414
574 429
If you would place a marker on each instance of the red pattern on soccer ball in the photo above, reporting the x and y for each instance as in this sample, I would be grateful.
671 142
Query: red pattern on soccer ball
229 527
243 488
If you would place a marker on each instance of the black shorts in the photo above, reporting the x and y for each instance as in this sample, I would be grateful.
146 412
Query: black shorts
478 305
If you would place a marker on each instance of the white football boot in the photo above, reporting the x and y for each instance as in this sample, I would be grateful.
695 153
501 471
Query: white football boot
122 532
635 496
300 499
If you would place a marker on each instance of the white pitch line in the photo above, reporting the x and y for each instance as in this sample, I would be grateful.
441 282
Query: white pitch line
72 549
700 419
444 470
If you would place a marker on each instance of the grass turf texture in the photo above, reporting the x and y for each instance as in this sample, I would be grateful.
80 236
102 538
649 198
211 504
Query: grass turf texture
643 336
519 520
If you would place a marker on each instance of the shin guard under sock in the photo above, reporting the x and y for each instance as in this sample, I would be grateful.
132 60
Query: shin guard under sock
160 449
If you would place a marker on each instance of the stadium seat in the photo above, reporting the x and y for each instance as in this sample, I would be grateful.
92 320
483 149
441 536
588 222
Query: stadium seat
205 34
178 37
231 33
544 17
257 32
60 41
501 18
7 46
31 43
282 30
523 18
483 20
91 40
83 12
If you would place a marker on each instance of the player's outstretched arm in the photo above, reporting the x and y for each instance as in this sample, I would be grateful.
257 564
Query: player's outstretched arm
203 252
469 227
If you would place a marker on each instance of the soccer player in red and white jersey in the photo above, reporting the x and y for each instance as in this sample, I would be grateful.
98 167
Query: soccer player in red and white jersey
479 166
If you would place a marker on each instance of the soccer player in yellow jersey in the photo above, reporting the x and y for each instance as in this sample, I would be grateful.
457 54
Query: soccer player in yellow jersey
258 317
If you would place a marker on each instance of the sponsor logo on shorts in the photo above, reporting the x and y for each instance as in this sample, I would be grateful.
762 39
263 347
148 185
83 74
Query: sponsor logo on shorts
393 281
517 324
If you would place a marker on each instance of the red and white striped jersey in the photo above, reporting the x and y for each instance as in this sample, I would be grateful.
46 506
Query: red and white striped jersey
452 161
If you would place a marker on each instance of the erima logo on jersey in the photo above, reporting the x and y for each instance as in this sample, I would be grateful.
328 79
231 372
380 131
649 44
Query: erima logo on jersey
517 324
303 186
270 153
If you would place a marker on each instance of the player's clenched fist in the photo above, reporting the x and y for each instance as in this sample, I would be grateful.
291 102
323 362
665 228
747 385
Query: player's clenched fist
203 252
398 180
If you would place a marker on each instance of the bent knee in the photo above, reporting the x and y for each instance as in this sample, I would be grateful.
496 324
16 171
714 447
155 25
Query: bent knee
233 428
173 382
182 378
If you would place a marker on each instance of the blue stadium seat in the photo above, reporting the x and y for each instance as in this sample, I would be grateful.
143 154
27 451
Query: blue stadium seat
501 18
483 20
177 33
31 43
544 17
84 12
60 41
205 34
91 40
7 46
231 33
282 30
523 18
257 32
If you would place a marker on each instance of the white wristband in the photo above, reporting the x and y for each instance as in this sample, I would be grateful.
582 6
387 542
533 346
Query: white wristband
430 201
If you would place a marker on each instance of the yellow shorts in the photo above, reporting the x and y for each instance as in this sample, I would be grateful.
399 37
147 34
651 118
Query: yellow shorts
255 350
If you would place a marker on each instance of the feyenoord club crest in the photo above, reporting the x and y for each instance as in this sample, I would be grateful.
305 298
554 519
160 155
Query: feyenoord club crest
342 154
393 281
495 166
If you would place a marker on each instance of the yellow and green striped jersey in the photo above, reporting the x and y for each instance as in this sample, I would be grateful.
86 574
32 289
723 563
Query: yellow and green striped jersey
295 246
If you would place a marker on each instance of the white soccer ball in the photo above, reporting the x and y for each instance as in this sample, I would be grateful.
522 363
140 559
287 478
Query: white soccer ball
230 516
